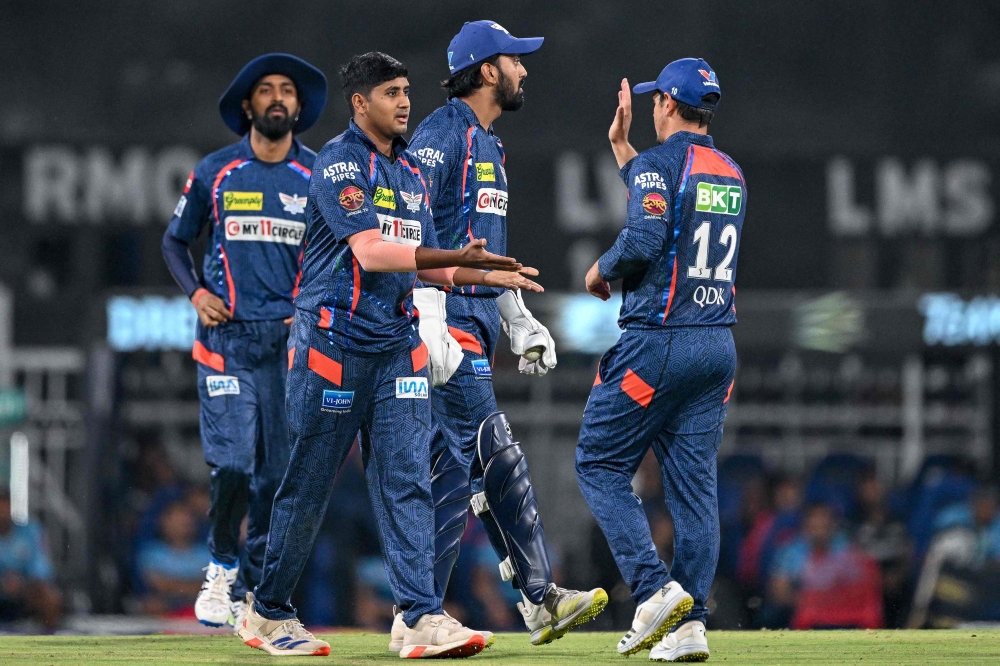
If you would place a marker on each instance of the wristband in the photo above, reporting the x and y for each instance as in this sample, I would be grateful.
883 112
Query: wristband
198 295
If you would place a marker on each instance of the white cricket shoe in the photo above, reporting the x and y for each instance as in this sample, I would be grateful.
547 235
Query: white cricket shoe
655 617
212 605
237 613
687 643
281 638
399 630
440 636
561 611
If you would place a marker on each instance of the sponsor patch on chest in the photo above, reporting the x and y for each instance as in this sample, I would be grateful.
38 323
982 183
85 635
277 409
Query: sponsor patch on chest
337 401
222 385
489 200
397 230
411 387
485 172
243 200
264 229
481 368
385 198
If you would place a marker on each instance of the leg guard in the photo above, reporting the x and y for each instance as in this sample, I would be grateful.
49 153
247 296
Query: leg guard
510 501
450 489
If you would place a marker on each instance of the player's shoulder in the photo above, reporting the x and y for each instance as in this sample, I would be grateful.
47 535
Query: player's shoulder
214 163
343 147
306 156
439 129
645 167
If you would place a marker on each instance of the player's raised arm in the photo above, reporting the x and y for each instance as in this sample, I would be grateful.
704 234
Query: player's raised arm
618 134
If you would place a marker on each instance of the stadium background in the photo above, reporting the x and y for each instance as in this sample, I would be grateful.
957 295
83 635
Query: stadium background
868 279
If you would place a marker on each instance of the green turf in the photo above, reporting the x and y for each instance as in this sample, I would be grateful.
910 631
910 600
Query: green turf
578 649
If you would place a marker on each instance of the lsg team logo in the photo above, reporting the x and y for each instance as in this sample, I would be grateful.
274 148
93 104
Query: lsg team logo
724 199
352 197
338 402
222 385
654 204
411 387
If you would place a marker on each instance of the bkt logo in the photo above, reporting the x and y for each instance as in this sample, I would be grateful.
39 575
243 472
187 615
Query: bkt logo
222 385
708 296
337 401
725 199
411 387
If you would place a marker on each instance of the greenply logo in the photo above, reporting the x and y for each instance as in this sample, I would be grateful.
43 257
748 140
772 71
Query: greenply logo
725 199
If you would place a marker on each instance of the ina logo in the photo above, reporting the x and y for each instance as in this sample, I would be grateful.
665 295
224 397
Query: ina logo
724 199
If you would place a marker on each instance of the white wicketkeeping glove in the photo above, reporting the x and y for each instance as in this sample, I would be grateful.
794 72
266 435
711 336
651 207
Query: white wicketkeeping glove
528 338
444 354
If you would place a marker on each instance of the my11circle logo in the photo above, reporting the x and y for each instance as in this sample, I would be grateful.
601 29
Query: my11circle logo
708 296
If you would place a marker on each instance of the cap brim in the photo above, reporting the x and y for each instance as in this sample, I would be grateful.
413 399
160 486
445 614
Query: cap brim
310 83
523 46
641 88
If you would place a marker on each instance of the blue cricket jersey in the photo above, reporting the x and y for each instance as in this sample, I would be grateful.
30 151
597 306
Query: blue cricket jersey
257 214
677 254
356 188
464 167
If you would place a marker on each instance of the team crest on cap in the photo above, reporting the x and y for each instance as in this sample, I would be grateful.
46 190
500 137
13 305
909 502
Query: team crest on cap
710 79
351 197
294 204
654 204
497 26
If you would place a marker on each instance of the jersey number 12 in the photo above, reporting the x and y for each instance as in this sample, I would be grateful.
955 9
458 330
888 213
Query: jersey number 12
700 270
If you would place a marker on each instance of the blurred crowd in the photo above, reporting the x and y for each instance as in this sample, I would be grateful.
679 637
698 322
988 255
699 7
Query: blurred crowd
837 548
834 548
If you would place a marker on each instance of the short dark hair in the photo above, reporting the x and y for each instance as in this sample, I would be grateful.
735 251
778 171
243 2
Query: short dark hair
696 114
468 80
362 73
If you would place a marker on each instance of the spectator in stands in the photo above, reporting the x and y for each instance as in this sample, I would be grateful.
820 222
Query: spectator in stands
27 588
884 538
171 565
821 580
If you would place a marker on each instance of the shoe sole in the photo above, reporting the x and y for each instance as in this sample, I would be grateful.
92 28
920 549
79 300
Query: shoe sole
682 608
397 646
457 650
214 624
259 644
578 618
694 656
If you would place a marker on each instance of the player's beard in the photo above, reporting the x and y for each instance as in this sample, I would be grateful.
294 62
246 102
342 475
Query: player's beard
274 128
508 94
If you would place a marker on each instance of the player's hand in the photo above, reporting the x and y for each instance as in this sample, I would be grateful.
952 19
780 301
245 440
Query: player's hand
288 322
623 116
474 255
210 308
511 280
618 134
596 284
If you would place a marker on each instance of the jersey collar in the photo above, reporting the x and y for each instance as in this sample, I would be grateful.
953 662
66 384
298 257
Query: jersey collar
467 113
246 150
689 137
398 144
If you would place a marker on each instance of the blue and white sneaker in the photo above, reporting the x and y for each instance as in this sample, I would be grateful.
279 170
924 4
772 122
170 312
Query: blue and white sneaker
212 605
237 613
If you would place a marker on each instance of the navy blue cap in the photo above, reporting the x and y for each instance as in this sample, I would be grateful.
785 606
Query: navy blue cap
310 83
478 40
687 80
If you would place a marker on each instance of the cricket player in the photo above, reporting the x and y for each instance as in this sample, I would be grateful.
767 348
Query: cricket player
666 382
463 161
252 195
357 363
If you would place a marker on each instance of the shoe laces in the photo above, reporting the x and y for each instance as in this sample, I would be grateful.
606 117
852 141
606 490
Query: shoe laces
217 589
296 630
